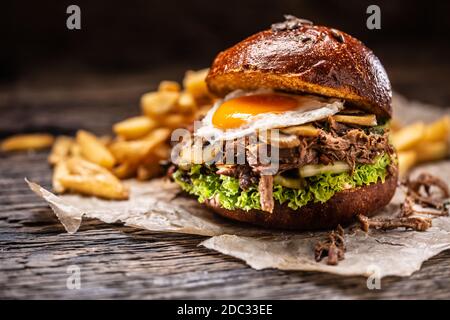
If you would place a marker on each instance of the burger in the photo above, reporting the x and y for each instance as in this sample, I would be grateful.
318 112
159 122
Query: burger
316 102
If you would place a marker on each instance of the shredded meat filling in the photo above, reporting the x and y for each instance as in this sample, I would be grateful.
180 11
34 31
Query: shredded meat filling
355 146
247 177
265 188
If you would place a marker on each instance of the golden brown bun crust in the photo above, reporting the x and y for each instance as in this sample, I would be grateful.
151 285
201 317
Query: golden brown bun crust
310 59
340 209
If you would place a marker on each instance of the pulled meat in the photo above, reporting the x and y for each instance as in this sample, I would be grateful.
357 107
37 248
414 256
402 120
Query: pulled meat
337 128
307 153
333 247
427 181
265 188
427 191
414 223
335 142
407 208
247 177
420 191
355 146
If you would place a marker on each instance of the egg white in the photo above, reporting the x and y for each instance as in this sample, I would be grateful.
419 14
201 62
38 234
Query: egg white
310 109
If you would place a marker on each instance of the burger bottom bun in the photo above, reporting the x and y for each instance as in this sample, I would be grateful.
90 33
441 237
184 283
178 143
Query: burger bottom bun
341 209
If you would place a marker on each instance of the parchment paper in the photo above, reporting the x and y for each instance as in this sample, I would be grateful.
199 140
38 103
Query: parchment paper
157 206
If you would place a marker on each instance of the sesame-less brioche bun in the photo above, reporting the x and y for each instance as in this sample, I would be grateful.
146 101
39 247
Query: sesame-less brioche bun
308 59
341 209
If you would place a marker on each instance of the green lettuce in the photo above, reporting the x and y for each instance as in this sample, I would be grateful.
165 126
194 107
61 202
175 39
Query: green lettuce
202 182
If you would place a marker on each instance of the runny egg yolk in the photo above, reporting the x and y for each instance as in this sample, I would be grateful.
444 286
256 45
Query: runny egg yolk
236 112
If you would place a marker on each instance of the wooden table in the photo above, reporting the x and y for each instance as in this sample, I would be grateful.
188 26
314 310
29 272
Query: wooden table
123 262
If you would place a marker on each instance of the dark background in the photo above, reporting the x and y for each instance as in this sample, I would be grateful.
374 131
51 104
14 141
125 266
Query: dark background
136 36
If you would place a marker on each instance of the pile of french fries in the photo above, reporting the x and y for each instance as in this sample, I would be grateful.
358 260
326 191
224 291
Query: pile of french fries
419 142
93 165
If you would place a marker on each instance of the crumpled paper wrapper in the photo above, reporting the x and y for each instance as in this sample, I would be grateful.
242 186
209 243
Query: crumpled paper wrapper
157 206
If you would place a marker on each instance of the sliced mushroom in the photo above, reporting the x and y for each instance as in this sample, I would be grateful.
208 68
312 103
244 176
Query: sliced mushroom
366 120
304 130
196 153
280 140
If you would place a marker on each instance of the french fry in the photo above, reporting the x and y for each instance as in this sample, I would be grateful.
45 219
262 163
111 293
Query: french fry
98 186
394 125
438 130
60 150
169 86
150 167
194 82
134 128
406 160
94 150
125 170
153 158
158 136
366 120
105 140
146 172
136 150
432 151
130 151
174 121
75 150
157 104
408 137
186 103
60 170
33 141
304 130
79 166
89 178
162 152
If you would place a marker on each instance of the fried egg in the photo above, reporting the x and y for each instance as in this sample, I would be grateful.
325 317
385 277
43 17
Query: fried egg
243 113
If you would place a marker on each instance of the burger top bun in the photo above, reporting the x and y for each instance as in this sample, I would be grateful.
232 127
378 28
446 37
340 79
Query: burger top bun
297 56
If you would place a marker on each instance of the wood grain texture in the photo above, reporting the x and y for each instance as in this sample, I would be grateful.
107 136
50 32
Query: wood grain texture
123 262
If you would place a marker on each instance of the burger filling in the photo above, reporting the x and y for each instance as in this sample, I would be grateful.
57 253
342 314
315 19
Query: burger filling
315 160
205 183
